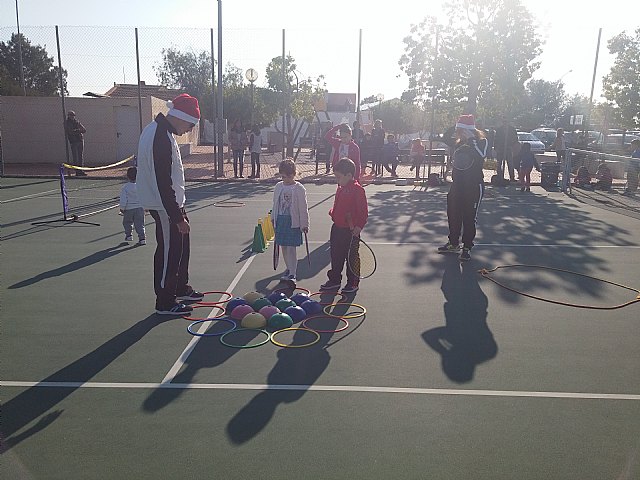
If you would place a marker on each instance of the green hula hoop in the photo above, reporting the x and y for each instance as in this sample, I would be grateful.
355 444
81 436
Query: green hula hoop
232 345
284 345
350 316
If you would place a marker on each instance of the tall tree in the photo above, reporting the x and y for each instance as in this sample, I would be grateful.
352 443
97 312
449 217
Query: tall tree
622 85
40 74
543 106
485 55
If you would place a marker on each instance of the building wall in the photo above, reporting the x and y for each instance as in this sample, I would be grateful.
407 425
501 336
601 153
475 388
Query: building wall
33 131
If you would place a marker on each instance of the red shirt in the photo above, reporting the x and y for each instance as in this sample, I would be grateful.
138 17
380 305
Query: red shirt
350 199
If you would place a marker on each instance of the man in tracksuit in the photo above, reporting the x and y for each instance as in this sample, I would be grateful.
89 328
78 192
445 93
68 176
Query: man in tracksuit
161 190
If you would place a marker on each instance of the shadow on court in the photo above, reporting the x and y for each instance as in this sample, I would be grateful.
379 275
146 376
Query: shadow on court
76 265
465 341
34 402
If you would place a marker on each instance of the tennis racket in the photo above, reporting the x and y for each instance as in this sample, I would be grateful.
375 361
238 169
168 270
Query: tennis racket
276 255
360 259
463 158
306 244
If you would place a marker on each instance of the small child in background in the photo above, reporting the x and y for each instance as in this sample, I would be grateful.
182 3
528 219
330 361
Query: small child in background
604 179
633 169
526 161
583 178
290 217
390 152
255 147
416 154
131 209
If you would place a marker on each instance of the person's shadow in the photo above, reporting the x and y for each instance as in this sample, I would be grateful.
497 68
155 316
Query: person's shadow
465 341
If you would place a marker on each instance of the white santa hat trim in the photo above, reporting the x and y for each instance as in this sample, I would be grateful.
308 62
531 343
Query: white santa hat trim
174 112
466 122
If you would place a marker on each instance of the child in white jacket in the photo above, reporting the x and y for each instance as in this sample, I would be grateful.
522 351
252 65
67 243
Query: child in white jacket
130 208
290 216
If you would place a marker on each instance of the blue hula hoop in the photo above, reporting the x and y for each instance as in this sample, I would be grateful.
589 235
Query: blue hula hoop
224 332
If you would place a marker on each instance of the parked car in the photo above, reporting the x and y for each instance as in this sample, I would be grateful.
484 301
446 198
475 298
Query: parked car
545 135
536 145
619 144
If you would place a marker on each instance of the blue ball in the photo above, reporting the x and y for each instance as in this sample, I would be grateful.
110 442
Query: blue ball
300 298
312 307
233 303
275 297
296 313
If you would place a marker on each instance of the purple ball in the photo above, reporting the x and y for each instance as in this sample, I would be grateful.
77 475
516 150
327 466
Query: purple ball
269 311
233 303
312 307
300 298
241 311
296 313
275 297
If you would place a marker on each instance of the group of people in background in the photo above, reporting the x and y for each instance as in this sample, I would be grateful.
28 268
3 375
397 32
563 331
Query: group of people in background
241 140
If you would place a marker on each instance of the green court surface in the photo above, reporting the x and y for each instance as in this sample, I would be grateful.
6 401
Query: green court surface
448 375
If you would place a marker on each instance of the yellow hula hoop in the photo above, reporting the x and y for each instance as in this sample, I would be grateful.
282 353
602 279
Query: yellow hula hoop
346 317
284 345
103 167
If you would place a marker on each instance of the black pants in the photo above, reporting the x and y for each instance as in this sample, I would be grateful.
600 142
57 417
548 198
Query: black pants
255 164
501 159
340 242
463 202
170 261
238 158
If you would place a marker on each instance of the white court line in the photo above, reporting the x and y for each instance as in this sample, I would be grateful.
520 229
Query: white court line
204 326
331 388
32 195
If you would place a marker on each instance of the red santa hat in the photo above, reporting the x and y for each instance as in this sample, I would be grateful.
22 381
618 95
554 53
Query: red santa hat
466 122
184 107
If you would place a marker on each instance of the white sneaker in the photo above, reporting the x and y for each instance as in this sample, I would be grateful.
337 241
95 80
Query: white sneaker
142 241
128 239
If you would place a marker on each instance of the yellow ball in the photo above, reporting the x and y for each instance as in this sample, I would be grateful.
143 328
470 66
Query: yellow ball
253 320
251 297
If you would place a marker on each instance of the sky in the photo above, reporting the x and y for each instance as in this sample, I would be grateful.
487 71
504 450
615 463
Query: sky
322 36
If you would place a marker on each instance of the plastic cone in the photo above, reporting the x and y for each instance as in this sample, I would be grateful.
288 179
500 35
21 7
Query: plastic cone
263 227
272 233
258 245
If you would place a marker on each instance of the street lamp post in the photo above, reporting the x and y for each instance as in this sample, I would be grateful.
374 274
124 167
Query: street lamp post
251 75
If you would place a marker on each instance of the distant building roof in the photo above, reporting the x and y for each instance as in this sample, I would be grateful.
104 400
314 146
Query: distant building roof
131 90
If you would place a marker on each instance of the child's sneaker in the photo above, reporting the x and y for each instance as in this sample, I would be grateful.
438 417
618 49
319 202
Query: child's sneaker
128 239
350 288
192 296
330 286
176 309
285 275
142 241
449 248
291 279
465 255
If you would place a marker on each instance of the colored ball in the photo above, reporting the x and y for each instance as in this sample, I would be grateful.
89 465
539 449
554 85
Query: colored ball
240 311
275 296
300 298
251 297
280 321
312 307
233 303
253 320
259 303
268 311
296 313
285 303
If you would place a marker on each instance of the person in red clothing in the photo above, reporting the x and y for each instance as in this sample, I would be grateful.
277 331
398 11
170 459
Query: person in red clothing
349 214
344 146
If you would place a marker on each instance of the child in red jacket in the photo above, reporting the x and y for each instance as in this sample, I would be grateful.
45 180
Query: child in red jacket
349 215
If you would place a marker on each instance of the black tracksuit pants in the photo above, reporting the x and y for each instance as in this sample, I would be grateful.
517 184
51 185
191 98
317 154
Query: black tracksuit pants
170 261
463 202
340 242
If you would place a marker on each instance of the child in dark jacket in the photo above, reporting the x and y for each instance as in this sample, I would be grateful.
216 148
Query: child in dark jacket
604 179
583 178
390 152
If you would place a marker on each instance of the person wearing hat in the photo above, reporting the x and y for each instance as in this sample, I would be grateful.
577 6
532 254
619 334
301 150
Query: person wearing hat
75 134
161 190
466 191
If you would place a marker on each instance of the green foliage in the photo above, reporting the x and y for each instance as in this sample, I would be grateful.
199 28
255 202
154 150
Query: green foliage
622 85
40 74
484 57
543 106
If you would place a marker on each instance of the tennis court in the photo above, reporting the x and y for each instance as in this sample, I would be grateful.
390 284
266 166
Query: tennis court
448 375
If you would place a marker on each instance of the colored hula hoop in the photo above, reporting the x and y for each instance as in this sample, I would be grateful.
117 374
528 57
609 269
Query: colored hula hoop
350 316
303 290
343 297
233 345
346 323
229 204
193 319
233 326
284 345
219 302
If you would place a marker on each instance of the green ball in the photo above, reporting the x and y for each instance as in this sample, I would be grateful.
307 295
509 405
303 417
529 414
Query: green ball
280 321
261 302
285 303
